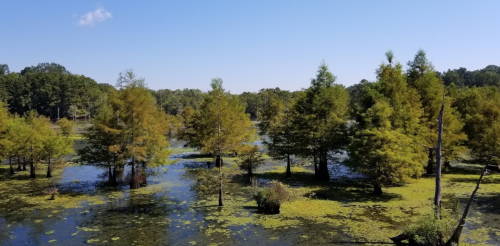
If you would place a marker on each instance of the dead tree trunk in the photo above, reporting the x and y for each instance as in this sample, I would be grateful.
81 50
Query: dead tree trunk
455 238
437 194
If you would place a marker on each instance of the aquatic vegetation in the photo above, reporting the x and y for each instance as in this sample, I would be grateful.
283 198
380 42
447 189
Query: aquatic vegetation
338 211
269 199
429 231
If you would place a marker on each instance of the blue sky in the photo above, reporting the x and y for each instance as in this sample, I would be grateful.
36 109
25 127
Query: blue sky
249 44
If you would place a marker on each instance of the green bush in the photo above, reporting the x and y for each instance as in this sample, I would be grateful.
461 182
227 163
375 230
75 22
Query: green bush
429 231
66 127
269 199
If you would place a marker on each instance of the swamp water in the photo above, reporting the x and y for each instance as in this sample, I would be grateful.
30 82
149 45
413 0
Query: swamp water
168 212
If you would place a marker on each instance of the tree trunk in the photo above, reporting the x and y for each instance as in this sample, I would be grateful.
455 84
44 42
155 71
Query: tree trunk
288 167
32 168
19 164
455 238
316 171
437 195
208 164
110 174
49 174
377 189
114 175
221 194
250 173
397 239
24 164
11 168
430 162
218 161
447 164
324 175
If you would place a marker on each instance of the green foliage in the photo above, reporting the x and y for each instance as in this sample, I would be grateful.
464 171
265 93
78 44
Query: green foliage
422 77
276 122
479 109
129 129
429 231
488 76
4 69
250 158
251 101
67 127
47 88
383 145
321 121
174 101
222 125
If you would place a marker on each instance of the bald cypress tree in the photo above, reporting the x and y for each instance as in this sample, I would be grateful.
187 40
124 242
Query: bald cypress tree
221 127
387 122
321 121
422 77
143 127
276 121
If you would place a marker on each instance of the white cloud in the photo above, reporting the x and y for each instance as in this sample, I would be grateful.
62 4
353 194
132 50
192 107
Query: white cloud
92 17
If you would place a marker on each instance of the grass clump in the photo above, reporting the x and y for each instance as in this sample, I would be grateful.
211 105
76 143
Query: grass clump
52 192
429 231
269 199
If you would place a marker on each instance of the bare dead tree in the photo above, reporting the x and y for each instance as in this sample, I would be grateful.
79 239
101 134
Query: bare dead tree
455 238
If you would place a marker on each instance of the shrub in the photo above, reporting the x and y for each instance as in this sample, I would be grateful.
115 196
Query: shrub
52 192
429 231
66 127
269 199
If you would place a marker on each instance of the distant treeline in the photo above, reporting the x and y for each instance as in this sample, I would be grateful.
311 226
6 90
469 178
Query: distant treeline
53 91
49 88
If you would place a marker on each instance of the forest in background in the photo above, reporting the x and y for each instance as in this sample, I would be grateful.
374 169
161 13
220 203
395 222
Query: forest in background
49 86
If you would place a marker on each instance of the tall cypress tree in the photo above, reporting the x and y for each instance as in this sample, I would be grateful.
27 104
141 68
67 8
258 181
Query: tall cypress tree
321 121
222 127
384 142
422 77
276 122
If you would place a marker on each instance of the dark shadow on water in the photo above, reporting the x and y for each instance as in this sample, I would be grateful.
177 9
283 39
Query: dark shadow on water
195 156
464 169
197 164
